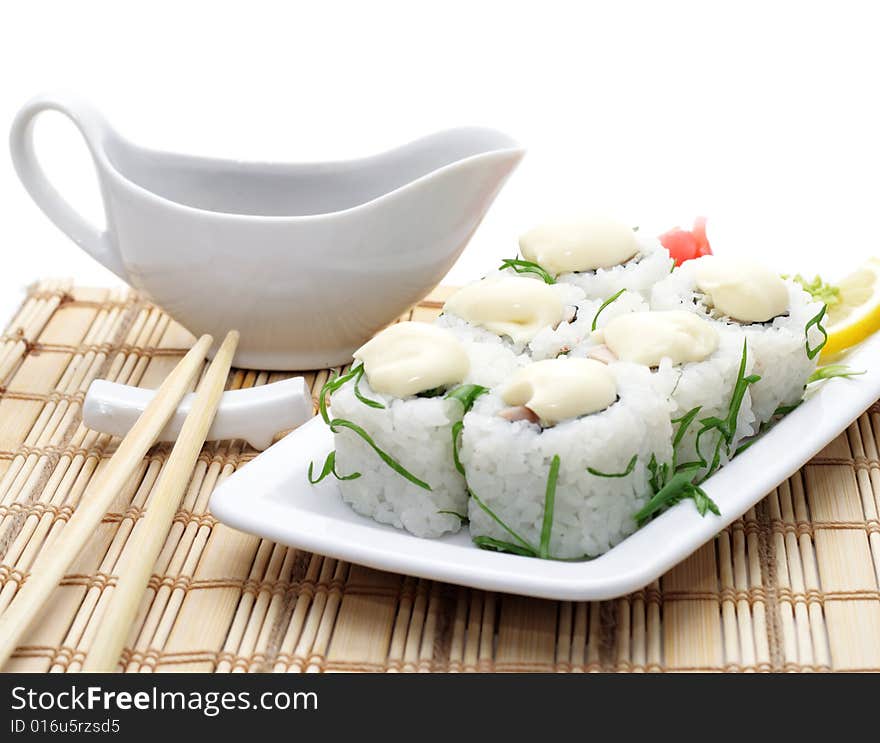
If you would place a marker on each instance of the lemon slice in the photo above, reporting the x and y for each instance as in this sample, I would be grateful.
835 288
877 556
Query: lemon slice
857 315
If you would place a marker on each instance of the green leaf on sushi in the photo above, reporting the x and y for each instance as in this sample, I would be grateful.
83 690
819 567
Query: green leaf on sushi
726 427
333 384
659 473
359 395
457 428
463 519
628 471
679 486
831 371
684 423
786 409
328 469
549 507
384 456
521 266
524 544
498 545
602 306
702 501
817 322
466 394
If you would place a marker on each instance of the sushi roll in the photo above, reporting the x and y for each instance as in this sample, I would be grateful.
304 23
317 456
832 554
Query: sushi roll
598 255
703 367
499 317
558 460
393 418
777 318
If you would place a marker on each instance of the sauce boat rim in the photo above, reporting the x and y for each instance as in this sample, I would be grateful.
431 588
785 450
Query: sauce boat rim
508 148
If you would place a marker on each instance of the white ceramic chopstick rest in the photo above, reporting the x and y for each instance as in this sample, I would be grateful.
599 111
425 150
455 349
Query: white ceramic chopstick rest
255 414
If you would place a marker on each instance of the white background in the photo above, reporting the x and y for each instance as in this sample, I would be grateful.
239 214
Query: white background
763 116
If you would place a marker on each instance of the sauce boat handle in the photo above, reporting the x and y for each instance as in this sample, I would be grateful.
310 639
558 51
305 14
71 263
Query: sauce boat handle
21 143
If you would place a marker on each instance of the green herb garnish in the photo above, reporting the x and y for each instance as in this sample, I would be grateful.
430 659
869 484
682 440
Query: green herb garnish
629 468
818 289
603 306
817 321
457 428
673 483
786 409
549 507
359 395
498 545
684 423
521 266
384 456
330 468
703 502
742 447
726 427
671 492
454 513
532 552
467 395
831 371
523 547
333 384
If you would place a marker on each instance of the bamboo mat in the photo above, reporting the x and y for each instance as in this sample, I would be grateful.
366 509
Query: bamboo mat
792 586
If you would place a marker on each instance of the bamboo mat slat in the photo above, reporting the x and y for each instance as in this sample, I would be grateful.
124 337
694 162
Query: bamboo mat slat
791 586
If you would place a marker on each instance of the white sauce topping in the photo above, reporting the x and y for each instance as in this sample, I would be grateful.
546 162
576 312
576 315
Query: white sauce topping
741 289
648 337
582 244
559 389
510 305
412 357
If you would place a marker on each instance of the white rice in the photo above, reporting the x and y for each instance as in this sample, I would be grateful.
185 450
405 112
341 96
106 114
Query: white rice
778 347
650 265
507 464
493 358
550 342
417 432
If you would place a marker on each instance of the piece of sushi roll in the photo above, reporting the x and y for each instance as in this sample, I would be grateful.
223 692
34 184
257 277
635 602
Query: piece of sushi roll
705 369
559 459
780 321
598 255
392 418
498 317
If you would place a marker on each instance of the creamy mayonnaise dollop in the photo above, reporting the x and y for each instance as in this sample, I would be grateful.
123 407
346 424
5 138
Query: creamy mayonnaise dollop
511 305
559 389
582 244
741 289
648 337
412 357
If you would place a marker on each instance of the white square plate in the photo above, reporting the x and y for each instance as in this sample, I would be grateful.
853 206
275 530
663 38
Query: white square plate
272 497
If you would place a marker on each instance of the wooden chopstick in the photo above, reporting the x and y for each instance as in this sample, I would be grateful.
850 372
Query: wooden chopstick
55 558
148 538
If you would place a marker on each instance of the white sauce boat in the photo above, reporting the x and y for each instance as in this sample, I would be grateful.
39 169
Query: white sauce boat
307 261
